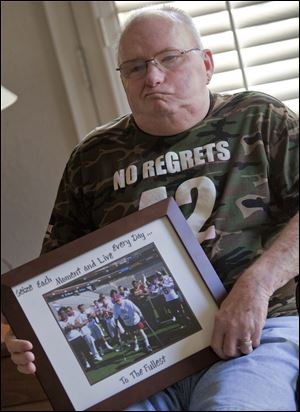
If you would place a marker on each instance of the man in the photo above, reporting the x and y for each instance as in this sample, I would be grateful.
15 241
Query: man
91 331
172 299
80 322
76 340
123 291
133 321
139 295
114 327
230 162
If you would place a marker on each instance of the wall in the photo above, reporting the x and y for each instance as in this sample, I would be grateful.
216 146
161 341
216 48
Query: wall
38 132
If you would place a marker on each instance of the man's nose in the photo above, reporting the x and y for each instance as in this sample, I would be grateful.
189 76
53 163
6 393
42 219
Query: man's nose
155 74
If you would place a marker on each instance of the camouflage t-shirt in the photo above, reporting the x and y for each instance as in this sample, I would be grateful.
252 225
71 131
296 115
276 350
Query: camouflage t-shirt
234 176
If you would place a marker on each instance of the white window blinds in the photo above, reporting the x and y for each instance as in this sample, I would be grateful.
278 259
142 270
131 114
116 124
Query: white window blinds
255 43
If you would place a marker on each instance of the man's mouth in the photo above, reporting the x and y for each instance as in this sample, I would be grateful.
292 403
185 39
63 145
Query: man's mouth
156 94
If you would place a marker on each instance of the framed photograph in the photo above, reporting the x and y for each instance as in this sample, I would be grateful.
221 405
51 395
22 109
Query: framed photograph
118 314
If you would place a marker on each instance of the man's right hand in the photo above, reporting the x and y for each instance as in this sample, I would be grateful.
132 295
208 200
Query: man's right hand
21 354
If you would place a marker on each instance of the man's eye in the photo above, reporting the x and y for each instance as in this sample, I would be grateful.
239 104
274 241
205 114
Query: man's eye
171 58
137 68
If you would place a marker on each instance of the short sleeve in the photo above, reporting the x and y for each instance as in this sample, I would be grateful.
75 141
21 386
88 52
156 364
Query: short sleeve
284 159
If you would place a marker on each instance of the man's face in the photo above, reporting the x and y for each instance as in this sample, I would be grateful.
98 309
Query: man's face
70 311
63 315
162 92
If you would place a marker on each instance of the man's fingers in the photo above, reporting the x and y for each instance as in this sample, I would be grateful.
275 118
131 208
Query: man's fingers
16 345
217 342
246 347
256 338
22 359
231 347
27 369
20 353
226 343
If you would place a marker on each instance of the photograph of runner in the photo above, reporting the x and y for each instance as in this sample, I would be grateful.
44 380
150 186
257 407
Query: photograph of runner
116 315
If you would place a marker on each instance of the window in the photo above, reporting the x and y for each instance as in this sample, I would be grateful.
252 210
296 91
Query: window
255 43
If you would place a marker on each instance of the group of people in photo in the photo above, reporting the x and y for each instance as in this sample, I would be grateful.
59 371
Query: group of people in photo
118 320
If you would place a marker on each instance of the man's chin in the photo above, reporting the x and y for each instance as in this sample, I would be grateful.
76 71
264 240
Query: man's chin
160 106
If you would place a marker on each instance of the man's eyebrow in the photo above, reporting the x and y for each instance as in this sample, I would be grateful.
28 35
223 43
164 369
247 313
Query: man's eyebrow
134 60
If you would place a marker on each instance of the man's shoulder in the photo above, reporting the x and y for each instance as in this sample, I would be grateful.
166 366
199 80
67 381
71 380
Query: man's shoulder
246 99
105 134
119 124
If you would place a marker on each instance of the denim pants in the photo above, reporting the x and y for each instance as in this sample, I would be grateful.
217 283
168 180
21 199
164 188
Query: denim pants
265 380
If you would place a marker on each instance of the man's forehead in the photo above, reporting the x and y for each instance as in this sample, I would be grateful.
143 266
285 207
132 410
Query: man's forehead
151 34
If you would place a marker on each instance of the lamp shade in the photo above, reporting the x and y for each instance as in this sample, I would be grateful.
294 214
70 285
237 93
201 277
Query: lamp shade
7 98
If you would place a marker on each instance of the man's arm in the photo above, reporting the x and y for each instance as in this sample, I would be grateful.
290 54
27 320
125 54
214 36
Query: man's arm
243 313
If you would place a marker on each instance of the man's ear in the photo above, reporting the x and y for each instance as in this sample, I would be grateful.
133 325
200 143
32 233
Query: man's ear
209 64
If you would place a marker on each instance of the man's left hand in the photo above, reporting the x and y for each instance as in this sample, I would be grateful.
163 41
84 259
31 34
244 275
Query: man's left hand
240 319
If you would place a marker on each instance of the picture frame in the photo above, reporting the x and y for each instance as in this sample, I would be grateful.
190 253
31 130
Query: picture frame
164 341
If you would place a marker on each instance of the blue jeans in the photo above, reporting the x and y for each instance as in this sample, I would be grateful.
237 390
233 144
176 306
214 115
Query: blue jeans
265 380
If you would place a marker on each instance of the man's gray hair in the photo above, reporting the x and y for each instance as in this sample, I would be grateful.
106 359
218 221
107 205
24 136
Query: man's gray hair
178 15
